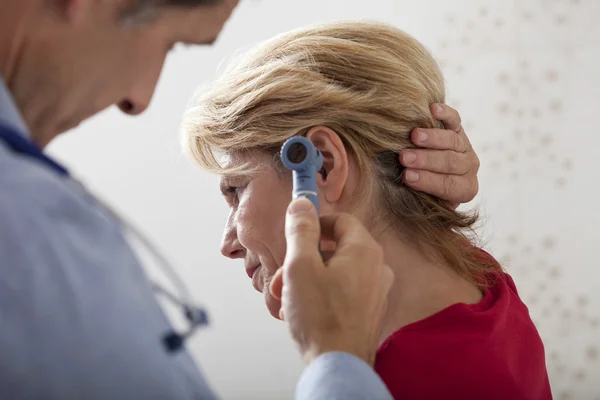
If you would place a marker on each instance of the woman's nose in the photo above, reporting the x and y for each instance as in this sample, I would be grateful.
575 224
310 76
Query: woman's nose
231 246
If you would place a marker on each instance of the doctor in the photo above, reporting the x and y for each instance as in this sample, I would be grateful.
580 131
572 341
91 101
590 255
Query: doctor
78 318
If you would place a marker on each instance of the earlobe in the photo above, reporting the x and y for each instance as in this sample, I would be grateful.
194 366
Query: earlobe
333 176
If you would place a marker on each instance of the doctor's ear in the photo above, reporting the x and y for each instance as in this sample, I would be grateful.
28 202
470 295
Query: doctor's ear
333 175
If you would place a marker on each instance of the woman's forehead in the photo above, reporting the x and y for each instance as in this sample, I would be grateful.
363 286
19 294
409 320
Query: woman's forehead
246 164
247 158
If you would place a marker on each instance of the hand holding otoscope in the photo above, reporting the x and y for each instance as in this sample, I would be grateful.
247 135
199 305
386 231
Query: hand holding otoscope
325 301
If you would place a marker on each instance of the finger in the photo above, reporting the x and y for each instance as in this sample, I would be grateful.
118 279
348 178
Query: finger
440 139
276 285
451 120
302 233
340 228
276 288
441 161
447 115
350 236
452 188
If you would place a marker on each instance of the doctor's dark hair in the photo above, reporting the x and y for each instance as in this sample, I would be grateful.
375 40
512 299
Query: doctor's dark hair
370 83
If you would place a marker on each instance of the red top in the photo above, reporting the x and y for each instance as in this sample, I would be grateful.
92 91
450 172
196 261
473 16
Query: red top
490 350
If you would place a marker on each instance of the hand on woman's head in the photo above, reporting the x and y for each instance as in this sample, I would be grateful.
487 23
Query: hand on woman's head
446 165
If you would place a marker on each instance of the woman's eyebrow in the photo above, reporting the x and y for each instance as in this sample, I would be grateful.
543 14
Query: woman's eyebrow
228 180
223 185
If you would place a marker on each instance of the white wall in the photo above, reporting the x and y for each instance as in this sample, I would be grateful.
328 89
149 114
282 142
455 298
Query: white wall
525 76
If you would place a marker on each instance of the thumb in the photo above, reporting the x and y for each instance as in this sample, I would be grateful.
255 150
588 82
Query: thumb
302 232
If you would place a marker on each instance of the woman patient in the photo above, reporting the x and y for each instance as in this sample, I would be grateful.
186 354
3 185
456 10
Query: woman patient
455 325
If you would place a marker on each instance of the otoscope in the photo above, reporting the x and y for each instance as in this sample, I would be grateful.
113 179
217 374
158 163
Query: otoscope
299 155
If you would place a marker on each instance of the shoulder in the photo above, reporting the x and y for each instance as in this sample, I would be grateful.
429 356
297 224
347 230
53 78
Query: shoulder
25 188
54 238
38 207
75 304
26 182
52 229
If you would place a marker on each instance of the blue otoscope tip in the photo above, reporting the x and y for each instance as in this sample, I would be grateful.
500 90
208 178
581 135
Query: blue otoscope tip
298 154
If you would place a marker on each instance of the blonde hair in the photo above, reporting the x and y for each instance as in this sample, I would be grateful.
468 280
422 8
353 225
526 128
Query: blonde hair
370 83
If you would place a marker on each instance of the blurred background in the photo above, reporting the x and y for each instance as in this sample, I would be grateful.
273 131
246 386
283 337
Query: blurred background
524 75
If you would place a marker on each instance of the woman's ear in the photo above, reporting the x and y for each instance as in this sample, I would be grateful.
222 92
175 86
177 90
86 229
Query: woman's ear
334 174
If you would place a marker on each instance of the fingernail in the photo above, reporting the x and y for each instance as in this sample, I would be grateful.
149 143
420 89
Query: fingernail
300 206
281 314
411 176
409 157
423 136
438 108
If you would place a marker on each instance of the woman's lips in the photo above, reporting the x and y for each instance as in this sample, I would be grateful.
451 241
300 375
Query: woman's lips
257 282
250 271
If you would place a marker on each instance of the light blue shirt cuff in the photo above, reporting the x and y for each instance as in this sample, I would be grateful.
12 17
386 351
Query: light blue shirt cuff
340 376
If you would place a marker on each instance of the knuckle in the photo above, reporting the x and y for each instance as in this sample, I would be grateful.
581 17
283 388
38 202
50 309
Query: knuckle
388 274
346 218
458 118
378 254
364 247
447 185
474 189
422 159
452 162
454 115
301 226
344 223
434 136
476 164
457 143
372 251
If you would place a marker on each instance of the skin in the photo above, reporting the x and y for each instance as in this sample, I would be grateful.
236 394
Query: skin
255 232
66 60
260 245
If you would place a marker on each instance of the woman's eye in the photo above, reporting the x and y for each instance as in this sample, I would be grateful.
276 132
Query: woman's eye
234 193
232 189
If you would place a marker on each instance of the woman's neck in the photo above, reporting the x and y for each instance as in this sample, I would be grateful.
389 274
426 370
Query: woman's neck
421 287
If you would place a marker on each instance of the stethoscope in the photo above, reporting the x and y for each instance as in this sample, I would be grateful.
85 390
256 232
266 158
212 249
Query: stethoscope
196 316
